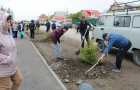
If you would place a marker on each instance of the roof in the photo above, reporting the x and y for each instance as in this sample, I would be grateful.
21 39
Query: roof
58 17
88 12
60 13
43 15
124 13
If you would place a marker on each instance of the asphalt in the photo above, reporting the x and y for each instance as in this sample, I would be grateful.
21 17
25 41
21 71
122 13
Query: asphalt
36 73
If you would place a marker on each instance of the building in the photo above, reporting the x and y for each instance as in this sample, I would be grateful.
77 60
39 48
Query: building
90 14
121 7
43 17
60 13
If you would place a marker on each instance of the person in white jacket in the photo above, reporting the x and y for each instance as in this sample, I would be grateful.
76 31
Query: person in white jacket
8 56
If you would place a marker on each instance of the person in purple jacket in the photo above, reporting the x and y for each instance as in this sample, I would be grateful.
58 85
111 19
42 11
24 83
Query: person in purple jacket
8 56
55 37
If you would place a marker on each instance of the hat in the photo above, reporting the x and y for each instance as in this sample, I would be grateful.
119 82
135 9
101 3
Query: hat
104 36
65 27
83 16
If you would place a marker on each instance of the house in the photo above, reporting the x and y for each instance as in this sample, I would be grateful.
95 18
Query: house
90 13
58 18
43 17
60 13
121 8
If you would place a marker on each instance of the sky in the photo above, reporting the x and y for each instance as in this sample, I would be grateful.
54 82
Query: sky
32 9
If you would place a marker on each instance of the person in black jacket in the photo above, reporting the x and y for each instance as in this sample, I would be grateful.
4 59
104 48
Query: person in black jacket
84 25
32 28
47 25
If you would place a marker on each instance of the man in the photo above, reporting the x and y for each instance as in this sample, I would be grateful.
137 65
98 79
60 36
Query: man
37 25
118 41
47 25
53 26
83 27
55 37
32 28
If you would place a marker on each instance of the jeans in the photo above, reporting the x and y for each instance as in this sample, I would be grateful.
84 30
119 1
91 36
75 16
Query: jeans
32 34
87 39
47 29
121 53
5 83
57 50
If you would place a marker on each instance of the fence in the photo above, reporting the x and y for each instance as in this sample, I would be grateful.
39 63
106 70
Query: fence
89 20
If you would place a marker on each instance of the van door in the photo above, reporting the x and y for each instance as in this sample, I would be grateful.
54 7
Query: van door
99 29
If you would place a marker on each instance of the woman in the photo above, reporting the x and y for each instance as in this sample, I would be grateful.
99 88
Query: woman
55 37
8 57
20 28
15 29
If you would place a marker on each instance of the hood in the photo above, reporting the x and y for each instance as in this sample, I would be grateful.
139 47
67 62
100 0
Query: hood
3 20
32 21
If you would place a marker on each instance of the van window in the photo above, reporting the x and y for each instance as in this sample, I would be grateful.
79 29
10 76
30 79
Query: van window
122 21
136 21
100 21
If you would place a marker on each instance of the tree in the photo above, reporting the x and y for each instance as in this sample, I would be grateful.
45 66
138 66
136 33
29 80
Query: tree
51 17
2 9
138 8
75 16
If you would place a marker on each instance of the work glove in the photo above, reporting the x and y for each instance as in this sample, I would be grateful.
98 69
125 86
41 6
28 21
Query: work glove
83 37
88 27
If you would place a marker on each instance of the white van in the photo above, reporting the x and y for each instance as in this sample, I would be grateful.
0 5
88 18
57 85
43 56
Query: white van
126 24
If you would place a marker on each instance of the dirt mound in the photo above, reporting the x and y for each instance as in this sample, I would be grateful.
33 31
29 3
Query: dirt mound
71 68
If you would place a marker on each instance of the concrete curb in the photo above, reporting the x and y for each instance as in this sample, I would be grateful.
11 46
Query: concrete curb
59 81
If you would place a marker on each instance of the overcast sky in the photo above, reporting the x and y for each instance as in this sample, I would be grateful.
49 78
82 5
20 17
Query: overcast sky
31 9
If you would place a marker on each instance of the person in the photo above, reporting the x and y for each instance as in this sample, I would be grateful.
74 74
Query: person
12 28
53 26
84 25
20 26
23 24
32 28
8 57
77 26
27 26
118 41
47 25
55 37
37 25
15 29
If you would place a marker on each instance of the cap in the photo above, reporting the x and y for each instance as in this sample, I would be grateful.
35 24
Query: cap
83 16
65 27
104 36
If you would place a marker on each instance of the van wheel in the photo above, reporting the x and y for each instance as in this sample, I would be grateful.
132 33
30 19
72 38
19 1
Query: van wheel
101 46
136 57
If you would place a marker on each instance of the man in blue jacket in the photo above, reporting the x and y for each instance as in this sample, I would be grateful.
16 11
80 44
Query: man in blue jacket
118 41
47 25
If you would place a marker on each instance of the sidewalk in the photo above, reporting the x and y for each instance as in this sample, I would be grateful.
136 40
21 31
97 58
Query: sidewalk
36 74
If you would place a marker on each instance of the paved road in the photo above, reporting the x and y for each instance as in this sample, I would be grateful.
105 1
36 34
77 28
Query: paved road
70 34
36 75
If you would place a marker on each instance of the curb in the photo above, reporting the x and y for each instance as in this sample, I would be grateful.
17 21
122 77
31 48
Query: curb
59 81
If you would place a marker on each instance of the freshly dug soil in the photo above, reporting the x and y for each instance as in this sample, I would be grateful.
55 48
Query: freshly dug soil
73 69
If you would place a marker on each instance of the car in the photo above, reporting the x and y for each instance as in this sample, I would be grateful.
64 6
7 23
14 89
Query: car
124 23
69 24
59 24
41 23
91 27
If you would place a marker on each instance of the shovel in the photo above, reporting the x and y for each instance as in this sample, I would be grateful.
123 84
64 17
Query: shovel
60 55
77 52
92 67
